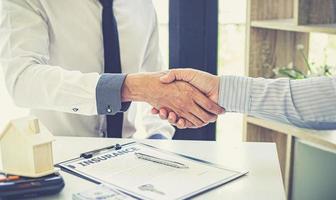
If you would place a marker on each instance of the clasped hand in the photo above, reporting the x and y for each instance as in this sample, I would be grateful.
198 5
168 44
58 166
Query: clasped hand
173 97
199 82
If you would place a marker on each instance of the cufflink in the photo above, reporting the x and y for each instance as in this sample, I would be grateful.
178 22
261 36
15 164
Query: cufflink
109 110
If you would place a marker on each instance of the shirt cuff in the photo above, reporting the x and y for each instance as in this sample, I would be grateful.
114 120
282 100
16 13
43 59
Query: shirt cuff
108 94
234 93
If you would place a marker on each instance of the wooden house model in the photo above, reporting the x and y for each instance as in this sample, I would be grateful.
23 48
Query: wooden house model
26 148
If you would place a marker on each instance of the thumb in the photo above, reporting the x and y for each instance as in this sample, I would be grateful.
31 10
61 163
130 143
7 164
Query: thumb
168 77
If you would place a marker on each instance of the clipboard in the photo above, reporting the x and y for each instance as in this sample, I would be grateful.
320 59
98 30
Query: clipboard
131 176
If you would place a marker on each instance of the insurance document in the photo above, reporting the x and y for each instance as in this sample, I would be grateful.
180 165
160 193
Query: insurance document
164 175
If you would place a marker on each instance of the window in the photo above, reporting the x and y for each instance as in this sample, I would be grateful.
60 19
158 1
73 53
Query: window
231 60
232 16
322 49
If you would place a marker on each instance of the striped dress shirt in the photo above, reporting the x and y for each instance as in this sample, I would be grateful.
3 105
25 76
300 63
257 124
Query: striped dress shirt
308 103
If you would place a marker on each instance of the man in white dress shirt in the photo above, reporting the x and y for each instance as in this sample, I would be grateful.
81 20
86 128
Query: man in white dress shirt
52 54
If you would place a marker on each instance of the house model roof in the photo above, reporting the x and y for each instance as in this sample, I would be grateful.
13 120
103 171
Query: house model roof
30 129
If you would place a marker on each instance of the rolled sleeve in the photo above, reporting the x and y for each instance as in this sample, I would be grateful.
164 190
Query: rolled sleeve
108 94
234 93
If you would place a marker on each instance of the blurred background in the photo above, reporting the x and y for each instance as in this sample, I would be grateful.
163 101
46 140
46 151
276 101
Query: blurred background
231 54
306 161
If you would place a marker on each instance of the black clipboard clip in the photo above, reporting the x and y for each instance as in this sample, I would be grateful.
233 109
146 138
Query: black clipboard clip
90 154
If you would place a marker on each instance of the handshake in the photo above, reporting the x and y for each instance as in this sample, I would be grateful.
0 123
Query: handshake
188 98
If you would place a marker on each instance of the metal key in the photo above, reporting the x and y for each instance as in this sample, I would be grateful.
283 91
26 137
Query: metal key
150 188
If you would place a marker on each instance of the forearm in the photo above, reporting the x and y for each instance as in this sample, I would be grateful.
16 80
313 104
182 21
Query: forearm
306 103
140 87
132 89
52 88
25 59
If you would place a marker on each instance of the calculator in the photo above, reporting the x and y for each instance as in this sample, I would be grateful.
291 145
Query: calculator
18 187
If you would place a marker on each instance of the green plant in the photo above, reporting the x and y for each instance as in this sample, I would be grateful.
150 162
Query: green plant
313 70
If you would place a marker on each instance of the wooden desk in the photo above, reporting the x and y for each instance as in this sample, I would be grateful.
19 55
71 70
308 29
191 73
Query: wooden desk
260 159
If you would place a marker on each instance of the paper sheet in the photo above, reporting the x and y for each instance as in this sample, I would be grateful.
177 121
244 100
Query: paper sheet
149 180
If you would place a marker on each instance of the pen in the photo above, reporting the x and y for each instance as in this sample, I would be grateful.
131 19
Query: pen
90 154
161 161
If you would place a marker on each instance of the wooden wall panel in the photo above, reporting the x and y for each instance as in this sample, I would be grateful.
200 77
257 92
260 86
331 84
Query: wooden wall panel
309 12
272 48
271 9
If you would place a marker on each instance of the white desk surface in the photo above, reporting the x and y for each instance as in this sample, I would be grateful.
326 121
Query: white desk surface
262 182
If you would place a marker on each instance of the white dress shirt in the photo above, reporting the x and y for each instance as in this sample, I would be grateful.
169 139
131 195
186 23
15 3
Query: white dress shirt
308 103
52 56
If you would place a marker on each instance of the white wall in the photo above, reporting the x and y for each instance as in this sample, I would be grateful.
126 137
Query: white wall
7 108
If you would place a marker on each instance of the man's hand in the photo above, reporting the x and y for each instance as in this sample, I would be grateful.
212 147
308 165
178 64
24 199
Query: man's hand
178 97
205 82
